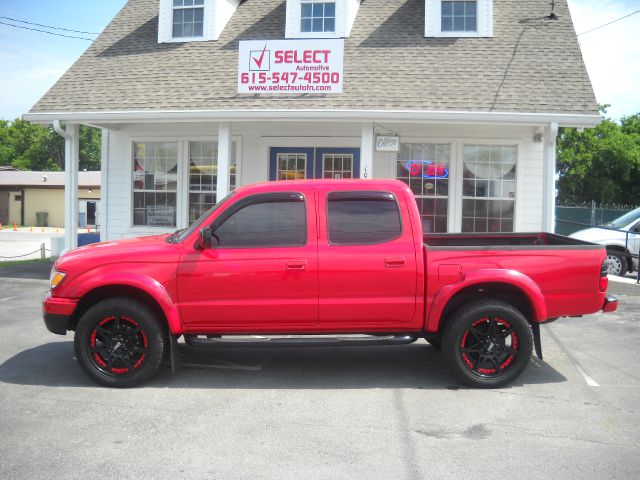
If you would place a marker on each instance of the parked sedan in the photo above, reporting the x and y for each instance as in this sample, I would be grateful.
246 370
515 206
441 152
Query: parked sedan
621 237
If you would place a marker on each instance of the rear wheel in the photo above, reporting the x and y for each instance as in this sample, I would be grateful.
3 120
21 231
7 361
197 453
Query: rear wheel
487 343
616 263
119 342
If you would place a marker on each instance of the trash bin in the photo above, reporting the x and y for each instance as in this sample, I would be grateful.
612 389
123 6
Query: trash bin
41 219
82 219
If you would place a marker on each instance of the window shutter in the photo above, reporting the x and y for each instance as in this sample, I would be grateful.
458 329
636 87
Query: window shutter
165 21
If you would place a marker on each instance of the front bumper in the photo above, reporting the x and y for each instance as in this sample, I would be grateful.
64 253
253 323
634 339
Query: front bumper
57 313
610 303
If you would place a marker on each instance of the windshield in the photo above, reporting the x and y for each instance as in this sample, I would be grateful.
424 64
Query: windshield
180 235
624 220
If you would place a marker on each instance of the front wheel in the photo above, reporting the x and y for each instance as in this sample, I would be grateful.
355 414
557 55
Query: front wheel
487 343
119 342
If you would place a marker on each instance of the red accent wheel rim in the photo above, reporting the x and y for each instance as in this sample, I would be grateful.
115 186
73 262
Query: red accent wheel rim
118 346
490 347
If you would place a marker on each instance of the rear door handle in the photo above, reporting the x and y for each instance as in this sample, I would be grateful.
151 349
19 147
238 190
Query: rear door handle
394 261
297 265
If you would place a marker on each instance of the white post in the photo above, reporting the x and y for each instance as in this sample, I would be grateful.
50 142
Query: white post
549 177
224 160
366 152
104 185
71 163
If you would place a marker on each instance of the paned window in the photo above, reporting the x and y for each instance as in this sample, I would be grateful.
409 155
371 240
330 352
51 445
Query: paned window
337 166
318 16
362 218
292 166
268 220
188 18
425 168
155 175
489 188
203 176
459 16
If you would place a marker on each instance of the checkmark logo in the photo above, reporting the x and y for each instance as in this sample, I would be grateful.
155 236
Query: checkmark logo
258 57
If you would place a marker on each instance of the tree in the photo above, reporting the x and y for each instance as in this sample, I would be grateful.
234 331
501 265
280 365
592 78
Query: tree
600 164
27 146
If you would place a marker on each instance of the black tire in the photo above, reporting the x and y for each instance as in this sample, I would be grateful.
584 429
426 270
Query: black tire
616 263
487 343
119 342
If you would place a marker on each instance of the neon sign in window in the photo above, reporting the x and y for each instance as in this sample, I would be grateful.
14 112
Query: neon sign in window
426 169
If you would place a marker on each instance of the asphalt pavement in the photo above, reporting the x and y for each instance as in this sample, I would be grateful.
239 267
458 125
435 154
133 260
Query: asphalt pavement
390 412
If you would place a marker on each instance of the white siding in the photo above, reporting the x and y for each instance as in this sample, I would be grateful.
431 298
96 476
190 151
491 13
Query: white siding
255 138
352 11
224 10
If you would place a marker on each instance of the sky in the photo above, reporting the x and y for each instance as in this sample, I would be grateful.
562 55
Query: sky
31 62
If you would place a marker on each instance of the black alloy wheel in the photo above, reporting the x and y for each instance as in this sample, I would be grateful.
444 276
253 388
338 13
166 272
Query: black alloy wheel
119 342
488 343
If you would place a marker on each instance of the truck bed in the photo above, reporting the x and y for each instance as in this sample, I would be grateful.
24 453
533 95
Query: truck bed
502 241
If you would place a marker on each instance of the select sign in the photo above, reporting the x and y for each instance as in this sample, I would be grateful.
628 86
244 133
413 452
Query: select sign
290 66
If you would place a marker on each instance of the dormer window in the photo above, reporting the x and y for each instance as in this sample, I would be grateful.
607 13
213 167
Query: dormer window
458 18
193 20
318 16
188 18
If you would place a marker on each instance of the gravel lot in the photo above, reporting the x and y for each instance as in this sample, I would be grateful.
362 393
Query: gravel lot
357 413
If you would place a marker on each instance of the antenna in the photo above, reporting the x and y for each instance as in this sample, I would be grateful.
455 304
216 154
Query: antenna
552 15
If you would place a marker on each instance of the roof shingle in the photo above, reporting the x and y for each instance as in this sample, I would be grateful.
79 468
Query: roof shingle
531 64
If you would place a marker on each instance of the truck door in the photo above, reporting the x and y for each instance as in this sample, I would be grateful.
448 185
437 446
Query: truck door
367 261
261 274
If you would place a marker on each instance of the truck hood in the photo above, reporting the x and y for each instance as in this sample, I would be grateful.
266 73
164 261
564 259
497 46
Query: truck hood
148 249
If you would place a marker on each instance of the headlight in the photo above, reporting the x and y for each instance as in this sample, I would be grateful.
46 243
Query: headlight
55 278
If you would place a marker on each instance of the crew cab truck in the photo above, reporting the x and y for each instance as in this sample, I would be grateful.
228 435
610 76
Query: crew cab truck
336 262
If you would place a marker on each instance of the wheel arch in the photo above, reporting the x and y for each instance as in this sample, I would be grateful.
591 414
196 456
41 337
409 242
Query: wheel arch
513 288
166 313
623 250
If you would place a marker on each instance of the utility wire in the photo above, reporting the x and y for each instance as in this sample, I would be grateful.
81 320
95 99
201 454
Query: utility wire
44 31
613 21
49 26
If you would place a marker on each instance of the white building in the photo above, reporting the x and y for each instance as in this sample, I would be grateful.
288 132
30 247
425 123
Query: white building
193 100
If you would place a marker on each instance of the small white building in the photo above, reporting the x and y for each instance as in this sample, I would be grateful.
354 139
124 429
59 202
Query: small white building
461 99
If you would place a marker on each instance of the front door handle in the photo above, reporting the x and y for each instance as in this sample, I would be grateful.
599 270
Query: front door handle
394 261
297 265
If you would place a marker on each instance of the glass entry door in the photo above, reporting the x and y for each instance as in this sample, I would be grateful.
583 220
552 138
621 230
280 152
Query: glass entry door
299 163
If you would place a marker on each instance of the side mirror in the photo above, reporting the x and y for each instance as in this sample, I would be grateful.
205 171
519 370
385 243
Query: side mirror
205 237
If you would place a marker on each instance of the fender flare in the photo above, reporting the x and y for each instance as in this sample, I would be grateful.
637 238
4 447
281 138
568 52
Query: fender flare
148 285
507 277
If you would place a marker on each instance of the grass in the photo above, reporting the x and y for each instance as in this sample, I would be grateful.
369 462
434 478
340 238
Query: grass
12 263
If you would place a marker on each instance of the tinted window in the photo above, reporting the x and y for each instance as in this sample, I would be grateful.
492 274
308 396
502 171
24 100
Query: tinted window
362 218
277 220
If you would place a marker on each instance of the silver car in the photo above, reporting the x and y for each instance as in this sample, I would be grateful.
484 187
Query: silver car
621 237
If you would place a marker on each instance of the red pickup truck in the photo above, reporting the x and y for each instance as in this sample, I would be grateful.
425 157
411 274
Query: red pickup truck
321 263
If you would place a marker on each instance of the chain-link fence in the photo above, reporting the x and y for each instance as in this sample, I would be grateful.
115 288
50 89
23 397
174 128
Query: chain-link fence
567 216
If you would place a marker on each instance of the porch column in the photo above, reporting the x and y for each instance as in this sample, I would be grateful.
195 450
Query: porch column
224 160
549 177
366 152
